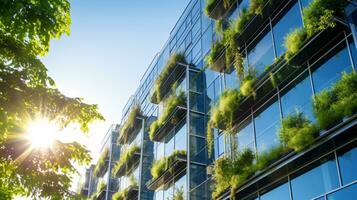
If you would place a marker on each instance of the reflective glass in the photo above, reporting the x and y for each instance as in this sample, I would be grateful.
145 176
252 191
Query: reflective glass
180 139
159 195
231 80
170 144
245 137
169 192
282 193
290 21
262 55
316 181
220 145
348 166
207 40
305 3
354 53
329 72
267 124
181 185
298 98
349 192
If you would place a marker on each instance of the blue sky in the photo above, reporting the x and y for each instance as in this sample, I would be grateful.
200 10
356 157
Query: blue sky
112 42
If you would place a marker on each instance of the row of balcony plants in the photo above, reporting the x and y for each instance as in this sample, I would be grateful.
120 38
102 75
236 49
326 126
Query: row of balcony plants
102 164
101 187
127 159
170 104
131 124
131 192
168 76
166 167
227 51
297 133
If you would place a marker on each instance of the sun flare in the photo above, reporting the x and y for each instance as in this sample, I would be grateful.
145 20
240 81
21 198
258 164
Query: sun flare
42 133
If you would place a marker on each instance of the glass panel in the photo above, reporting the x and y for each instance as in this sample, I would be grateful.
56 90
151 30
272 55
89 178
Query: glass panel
353 52
181 185
160 151
299 97
170 144
290 21
232 80
180 139
349 192
245 137
267 124
282 192
198 149
331 70
197 125
198 175
159 195
169 192
316 181
207 40
262 55
243 4
305 3
221 144
348 166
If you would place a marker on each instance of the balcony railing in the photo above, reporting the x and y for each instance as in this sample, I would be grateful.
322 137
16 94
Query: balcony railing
124 167
174 168
132 126
219 8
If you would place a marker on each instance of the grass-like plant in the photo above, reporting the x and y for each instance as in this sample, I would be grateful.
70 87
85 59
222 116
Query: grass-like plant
330 106
121 195
124 157
163 164
228 173
216 51
101 162
267 157
128 126
170 104
297 132
101 186
211 5
169 67
247 82
318 16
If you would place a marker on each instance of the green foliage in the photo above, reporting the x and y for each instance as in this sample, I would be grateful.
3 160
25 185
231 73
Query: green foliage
101 162
211 5
247 83
128 126
124 157
121 195
101 186
27 92
169 105
293 42
163 164
330 106
210 138
230 173
179 194
319 15
170 65
217 49
297 132
267 157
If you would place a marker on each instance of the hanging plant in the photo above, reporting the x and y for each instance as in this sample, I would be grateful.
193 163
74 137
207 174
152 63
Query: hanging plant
247 83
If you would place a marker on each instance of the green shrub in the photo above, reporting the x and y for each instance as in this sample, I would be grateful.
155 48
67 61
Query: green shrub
178 194
211 5
170 65
101 186
267 157
101 161
124 157
228 173
319 15
247 82
216 50
293 42
130 122
297 132
243 20
169 105
160 166
121 195
330 106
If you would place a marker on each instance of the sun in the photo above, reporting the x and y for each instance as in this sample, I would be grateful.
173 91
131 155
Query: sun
42 133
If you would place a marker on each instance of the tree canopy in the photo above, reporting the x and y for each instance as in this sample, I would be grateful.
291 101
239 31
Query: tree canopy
27 91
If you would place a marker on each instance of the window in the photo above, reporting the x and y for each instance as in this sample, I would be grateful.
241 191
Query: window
231 80
170 143
298 97
354 53
221 145
180 138
159 195
169 192
245 136
305 3
207 40
331 70
160 150
316 181
280 192
290 21
181 185
267 124
262 54
346 193
348 165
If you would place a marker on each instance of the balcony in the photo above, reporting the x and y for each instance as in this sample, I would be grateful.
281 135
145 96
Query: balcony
128 160
173 72
174 111
130 192
102 164
132 126
170 167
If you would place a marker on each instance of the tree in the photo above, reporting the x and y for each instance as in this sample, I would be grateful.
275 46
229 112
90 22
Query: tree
26 91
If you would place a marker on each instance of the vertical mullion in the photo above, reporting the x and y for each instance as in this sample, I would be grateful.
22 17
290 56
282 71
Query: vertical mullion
338 168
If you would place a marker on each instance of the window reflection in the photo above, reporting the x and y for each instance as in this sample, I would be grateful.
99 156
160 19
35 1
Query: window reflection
316 181
262 55
267 124
331 70
298 98
221 145
245 136
281 192
290 21
348 165
349 192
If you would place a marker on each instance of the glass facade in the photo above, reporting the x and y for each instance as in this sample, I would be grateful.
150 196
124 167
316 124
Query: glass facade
331 175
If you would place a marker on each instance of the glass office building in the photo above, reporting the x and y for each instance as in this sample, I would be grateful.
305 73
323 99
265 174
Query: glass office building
325 170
